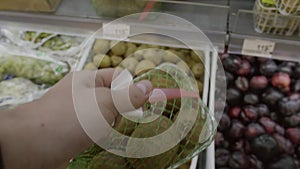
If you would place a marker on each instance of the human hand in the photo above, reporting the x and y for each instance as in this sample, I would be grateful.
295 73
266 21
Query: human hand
46 133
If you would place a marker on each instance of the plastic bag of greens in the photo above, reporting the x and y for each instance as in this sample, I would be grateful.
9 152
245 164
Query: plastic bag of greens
18 91
40 70
63 47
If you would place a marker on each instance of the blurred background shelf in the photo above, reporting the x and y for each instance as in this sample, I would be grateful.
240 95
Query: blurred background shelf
286 47
79 16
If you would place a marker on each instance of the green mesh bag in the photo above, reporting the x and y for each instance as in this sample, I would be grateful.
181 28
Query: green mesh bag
179 116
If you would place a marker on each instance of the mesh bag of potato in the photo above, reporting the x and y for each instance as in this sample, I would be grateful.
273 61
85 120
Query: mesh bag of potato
181 116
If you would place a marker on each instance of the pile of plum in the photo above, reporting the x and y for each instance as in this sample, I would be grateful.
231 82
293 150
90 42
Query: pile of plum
260 126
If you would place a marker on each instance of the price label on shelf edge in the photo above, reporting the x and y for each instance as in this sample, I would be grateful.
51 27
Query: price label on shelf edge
116 31
258 47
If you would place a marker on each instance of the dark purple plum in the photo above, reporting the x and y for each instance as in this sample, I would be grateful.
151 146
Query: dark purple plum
242 84
258 82
265 147
285 162
294 135
249 114
255 163
244 68
271 96
239 160
279 129
229 78
296 86
296 73
224 123
281 80
233 96
292 121
238 145
236 130
274 116
254 130
288 107
232 63
262 110
219 139
285 146
268 68
222 157
234 112
268 124
251 98
286 68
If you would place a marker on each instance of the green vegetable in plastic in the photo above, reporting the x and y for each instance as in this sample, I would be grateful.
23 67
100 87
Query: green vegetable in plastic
38 71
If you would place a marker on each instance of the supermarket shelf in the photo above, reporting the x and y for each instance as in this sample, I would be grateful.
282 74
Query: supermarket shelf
286 47
235 5
79 17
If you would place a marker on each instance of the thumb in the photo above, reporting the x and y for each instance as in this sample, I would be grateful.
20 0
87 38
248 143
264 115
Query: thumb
131 98
122 101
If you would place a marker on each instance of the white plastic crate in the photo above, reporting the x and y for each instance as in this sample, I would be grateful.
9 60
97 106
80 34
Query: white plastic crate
268 20
287 7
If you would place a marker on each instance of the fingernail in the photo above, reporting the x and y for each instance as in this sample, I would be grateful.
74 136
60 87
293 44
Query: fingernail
142 87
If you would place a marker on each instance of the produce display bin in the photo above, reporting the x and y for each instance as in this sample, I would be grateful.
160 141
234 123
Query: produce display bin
86 61
287 7
268 20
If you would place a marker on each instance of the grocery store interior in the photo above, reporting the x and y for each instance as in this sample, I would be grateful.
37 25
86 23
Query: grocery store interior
224 77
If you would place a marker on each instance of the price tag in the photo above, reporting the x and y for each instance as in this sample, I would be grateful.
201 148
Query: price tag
257 47
116 31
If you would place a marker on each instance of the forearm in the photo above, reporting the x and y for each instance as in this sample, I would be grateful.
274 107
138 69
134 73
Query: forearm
36 132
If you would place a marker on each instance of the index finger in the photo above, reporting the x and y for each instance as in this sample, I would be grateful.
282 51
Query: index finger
104 77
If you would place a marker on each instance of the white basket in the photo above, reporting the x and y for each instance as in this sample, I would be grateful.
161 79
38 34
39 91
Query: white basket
268 20
287 7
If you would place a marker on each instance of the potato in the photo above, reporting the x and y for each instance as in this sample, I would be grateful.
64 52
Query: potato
143 67
153 55
90 66
116 60
198 70
129 63
184 67
197 57
118 48
101 46
102 61
139 52
131 48
169 56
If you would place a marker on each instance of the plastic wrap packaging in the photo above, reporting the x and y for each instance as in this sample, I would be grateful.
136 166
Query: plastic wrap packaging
120 8
62 47
18 91
268 20
40 70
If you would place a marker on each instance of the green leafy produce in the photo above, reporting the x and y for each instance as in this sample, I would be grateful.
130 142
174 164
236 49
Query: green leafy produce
106 160
51 41
149 130
83 159
36 70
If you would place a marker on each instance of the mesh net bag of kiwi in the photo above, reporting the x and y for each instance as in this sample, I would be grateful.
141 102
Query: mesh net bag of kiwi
193 134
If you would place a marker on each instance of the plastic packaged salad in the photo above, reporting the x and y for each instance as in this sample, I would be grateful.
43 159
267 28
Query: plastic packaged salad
40 70
17 91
